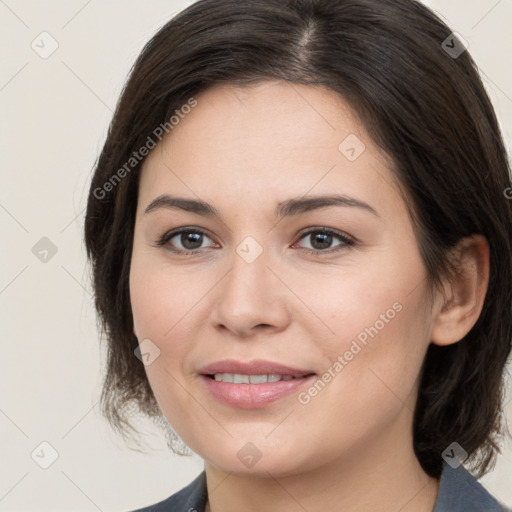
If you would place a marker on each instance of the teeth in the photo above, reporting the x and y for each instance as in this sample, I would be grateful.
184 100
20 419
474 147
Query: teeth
238 378
257 379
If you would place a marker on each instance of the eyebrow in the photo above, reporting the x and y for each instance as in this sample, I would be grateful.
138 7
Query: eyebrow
294 206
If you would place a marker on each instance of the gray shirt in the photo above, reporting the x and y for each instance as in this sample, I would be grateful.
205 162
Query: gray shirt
458 492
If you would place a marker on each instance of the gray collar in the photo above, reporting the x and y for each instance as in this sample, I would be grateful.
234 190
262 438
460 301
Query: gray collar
458 492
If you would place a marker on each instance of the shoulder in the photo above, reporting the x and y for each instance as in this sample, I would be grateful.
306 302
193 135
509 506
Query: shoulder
460 491
191 498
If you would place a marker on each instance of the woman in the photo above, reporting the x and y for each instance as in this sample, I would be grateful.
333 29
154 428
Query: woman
301 242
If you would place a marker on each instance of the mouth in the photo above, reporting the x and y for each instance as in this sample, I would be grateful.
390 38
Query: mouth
256 367
241 378
251 385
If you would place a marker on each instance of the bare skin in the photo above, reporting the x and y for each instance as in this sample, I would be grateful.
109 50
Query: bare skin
348 447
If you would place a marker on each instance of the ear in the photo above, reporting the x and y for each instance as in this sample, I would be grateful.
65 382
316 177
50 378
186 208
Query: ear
458 311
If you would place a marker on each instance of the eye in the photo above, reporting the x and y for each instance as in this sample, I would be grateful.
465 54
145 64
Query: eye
322 239
189 239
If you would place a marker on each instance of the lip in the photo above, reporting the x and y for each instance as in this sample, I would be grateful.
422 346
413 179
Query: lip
254 367
253 396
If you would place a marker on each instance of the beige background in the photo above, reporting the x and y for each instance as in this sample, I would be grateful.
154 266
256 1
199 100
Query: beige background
54 115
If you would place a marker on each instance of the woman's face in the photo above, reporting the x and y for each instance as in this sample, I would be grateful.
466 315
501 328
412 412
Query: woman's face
345 310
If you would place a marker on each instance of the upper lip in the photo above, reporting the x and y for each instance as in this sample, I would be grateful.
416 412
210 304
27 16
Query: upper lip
254 367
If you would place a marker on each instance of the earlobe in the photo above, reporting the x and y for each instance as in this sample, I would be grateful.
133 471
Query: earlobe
458 311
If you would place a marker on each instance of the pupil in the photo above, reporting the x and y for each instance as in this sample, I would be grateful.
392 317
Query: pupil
325 240
186 237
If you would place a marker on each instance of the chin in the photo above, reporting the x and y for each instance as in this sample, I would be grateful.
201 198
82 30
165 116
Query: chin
257 458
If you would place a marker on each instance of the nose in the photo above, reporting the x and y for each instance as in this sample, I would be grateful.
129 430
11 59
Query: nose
252 298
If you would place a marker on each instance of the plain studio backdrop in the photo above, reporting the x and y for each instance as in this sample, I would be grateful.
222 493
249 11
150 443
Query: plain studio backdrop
63 67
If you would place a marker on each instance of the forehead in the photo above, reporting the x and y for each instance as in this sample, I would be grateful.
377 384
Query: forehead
269 115
271 138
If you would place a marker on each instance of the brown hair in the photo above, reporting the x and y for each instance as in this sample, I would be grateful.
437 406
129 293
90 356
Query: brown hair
425 106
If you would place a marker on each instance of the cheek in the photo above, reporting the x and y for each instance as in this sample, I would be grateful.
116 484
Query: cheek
161 310
169 307
151 301
377 339
367 386
374 358
378 300
161 297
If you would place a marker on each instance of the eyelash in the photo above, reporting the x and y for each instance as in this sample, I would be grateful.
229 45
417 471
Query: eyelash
347 241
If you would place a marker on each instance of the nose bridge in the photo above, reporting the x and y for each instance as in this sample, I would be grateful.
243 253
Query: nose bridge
247 281
251 295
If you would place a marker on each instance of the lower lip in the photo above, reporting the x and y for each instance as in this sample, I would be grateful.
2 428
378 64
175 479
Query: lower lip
253 396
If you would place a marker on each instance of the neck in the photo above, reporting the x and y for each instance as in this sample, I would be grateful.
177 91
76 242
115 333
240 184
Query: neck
382 475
